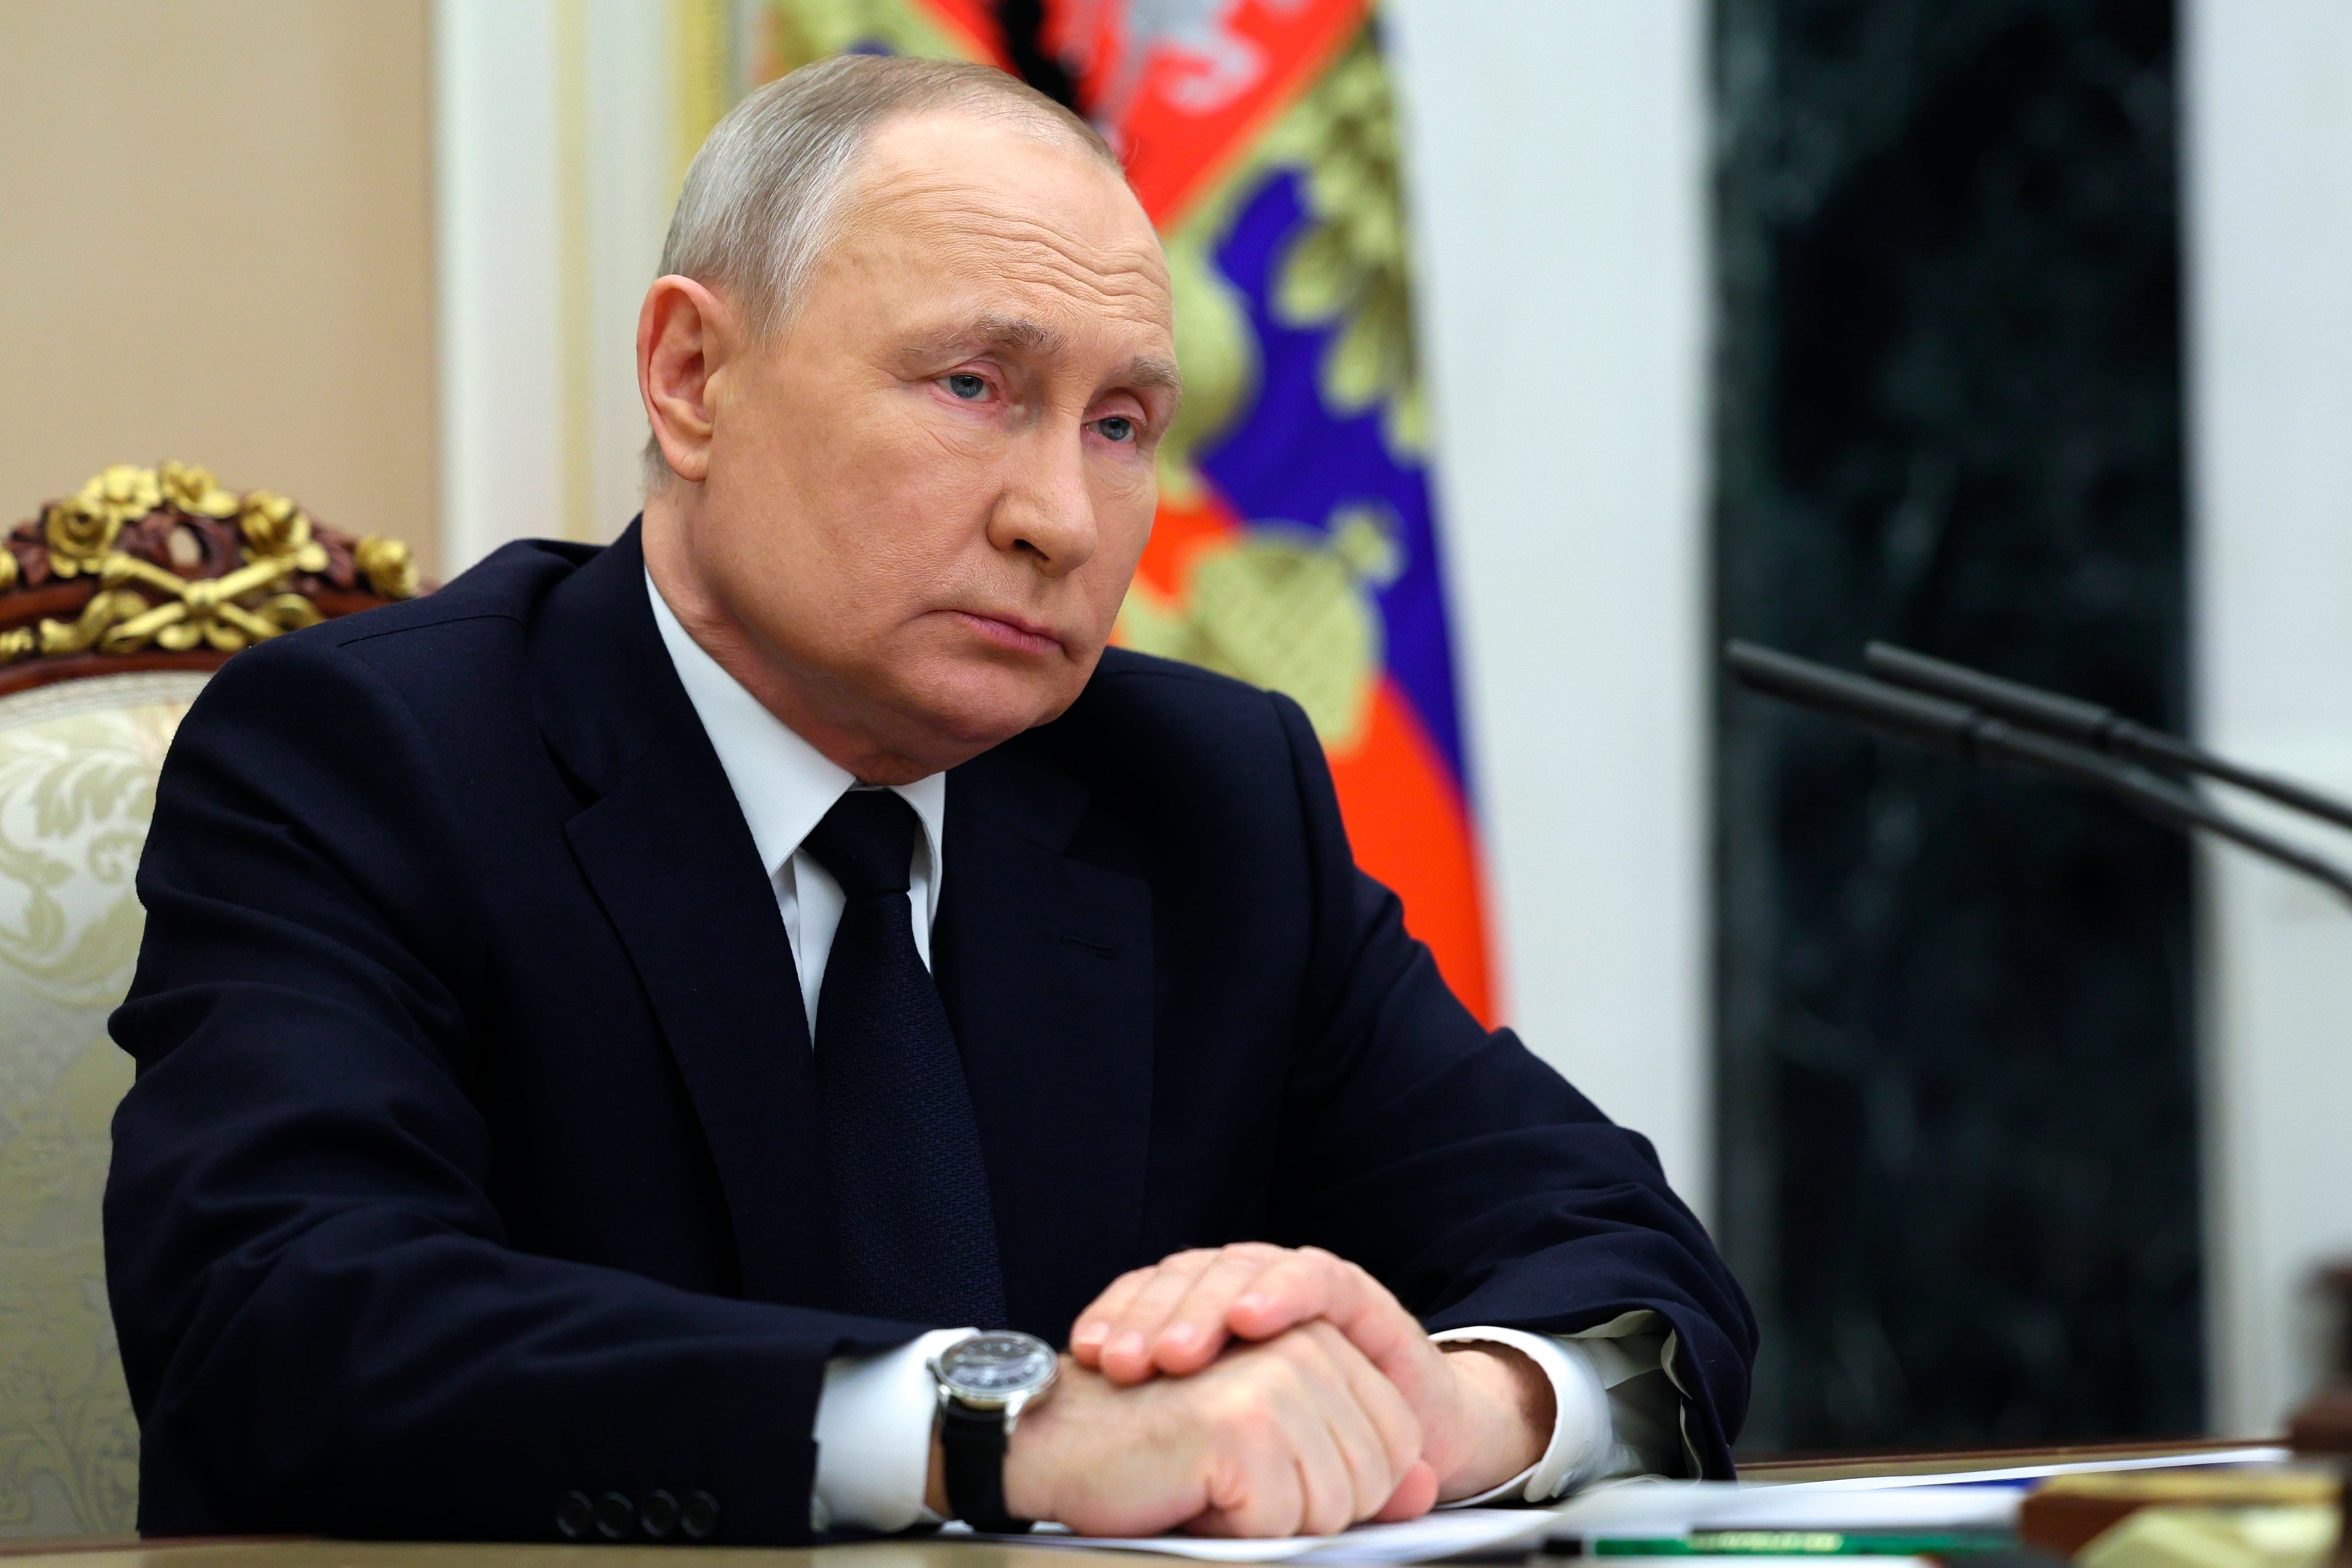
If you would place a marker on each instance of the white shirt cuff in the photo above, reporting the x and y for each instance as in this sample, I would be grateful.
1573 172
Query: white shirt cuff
1580 1430
874 1423
1603 1403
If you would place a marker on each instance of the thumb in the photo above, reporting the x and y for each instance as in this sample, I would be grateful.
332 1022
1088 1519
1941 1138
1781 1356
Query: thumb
1312 1284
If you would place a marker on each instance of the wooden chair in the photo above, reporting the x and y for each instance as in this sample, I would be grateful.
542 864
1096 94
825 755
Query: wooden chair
116 605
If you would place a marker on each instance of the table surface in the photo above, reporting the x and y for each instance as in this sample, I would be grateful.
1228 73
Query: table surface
942 1553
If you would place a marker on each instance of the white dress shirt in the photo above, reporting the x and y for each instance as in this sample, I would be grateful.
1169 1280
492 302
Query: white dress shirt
1612 1385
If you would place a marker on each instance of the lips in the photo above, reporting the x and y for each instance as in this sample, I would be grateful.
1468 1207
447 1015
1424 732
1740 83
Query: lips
1015 632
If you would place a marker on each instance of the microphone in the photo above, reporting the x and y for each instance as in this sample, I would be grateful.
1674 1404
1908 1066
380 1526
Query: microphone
2087 724
1968 730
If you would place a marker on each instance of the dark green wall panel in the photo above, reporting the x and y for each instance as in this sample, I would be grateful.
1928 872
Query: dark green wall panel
1957 1113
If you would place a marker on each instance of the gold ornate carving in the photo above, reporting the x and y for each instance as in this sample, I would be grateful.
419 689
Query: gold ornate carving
81 530
119 621
193 489
275 529
387 565
79 536
82 633
177 563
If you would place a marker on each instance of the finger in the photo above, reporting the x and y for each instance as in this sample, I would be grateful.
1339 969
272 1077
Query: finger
1093 1327
1311 1283
1356 1432
1127 1354
1343 1469
1327 1485
1294 1288
1415 1496
1100 1322
1195 1329
1253 1484
1344 1464
1393 1428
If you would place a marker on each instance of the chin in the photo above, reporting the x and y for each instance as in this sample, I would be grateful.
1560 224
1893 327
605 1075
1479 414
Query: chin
981 708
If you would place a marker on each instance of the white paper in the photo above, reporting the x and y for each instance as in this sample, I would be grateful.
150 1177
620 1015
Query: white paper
1634 1508
1675 1508
1958 1500
2250 1455
1419 1540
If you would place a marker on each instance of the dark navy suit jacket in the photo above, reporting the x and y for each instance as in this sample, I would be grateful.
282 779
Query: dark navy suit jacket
473 1159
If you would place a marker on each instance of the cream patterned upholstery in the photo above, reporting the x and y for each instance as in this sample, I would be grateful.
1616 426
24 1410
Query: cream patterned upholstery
77 766
116 601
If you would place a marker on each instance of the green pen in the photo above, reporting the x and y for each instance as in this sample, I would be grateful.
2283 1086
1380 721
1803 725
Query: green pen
1779 1543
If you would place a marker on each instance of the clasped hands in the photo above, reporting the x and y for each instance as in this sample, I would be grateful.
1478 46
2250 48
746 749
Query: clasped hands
1257 1390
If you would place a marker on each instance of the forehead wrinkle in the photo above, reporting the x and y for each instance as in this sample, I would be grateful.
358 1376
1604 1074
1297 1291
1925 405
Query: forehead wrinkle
1038 287
1016 237
1131 293
975 215
900 207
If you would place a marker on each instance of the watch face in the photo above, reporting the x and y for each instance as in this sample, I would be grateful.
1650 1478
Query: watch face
992 1367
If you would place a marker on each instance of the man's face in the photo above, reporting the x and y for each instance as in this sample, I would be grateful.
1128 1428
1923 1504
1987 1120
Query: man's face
926 498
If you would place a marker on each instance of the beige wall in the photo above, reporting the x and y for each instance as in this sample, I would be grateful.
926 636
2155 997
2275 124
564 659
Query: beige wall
216 244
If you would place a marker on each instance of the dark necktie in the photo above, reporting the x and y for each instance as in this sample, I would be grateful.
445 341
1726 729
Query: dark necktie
910 1195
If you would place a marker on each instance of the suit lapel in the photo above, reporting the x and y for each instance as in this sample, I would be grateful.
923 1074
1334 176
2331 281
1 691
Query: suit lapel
666 851
1044 963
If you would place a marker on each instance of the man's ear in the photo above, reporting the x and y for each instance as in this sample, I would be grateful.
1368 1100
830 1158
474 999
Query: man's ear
685 333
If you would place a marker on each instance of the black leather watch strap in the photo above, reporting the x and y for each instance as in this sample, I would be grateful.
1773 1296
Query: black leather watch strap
971 1445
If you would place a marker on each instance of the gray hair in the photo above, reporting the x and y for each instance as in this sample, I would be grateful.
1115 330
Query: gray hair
764 198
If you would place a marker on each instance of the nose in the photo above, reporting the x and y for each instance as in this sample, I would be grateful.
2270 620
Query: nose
1045 512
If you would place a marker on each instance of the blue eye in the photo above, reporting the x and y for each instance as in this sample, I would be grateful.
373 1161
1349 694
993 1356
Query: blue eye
968 386
1118 427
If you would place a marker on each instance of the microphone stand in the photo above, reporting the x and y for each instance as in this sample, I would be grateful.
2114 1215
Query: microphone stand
2020 734
1952 709
2086 724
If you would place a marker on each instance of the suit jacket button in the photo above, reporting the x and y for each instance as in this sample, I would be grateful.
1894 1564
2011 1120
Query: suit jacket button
616 1517
575 1516
699 1517
657 1516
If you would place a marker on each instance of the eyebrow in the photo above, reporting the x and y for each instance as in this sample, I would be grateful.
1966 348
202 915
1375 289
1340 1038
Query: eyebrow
1151 370
990 332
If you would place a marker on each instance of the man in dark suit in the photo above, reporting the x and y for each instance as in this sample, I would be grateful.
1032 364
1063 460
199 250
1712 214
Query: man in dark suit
610 1031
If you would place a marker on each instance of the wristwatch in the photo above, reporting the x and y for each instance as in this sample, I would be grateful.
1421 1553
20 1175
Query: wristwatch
986 1382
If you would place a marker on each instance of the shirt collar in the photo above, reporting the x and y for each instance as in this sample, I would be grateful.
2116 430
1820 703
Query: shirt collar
785 785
